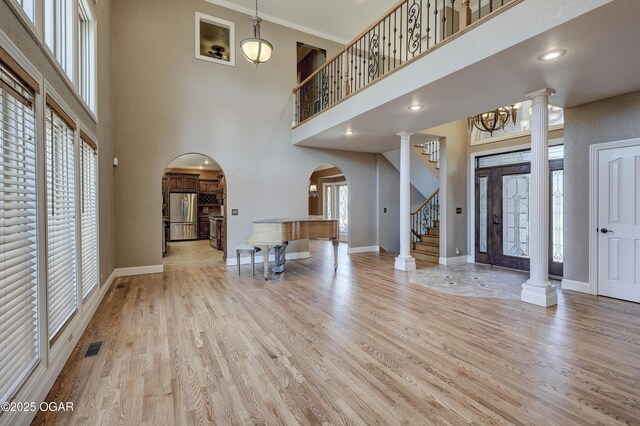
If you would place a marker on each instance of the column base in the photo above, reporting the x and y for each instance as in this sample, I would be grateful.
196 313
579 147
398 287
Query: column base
540 294
405 264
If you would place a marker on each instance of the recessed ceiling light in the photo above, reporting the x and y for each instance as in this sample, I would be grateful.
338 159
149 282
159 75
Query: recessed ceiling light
206 161
552 54
348 132
416 107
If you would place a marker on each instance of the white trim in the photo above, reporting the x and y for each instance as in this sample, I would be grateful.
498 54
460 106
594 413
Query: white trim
594 151
266 17
41 381
578 286
139 270
200 17
510 136
246 260
368 249
448 261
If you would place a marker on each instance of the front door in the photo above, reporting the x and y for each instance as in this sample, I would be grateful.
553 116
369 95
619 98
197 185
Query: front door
619 223
502 216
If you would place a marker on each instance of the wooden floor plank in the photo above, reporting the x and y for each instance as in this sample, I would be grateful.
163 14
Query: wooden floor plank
201 345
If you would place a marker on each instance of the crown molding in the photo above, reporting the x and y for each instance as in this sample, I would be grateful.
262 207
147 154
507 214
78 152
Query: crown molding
285 23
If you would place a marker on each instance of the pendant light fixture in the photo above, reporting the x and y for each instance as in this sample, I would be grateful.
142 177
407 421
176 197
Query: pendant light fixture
256 49
497 119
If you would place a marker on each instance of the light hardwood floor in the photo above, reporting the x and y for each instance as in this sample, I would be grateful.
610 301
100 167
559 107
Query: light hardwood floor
192 254
204 346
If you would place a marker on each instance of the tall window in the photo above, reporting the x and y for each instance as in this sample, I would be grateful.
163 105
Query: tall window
89 213
61 226
58 32
87 54
29 7
19 343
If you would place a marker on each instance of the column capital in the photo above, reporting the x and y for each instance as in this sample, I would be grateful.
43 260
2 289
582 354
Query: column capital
405 135
540 94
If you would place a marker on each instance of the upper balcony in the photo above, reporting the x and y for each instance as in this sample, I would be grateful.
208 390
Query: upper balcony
461 57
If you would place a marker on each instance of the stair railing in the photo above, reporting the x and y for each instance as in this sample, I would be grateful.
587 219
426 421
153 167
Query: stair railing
425 216
432 149
410 30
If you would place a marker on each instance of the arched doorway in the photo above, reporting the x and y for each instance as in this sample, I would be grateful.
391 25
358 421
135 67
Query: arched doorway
329 196
193 212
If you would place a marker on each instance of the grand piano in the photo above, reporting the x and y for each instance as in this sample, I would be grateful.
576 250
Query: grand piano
270 233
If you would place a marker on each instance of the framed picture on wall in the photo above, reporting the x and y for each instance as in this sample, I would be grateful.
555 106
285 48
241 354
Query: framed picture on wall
215 40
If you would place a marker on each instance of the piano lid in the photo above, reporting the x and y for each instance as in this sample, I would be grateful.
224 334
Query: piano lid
302 219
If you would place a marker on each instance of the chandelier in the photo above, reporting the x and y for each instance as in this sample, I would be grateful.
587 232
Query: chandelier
256 49
497 119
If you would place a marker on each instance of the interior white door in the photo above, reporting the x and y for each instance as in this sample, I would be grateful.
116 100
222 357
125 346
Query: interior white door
619 223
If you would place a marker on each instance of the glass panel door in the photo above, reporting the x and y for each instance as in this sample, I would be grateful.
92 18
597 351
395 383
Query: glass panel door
502 216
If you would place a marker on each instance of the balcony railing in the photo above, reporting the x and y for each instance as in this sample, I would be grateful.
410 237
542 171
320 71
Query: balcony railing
408 31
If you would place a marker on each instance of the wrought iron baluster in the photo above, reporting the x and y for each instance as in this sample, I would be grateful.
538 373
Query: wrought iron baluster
400 41
444 19
435 25
414 40
428 23
453 17
479 9
490 6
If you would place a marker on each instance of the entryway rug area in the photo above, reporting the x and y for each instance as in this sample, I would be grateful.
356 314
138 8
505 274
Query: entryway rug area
472 280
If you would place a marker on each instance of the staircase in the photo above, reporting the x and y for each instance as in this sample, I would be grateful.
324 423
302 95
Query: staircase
431 150
425 230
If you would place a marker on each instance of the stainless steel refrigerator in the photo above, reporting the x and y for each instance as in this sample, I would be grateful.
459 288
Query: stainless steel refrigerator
183 216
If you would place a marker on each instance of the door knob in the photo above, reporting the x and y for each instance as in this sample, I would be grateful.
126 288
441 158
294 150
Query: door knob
606 231
496 219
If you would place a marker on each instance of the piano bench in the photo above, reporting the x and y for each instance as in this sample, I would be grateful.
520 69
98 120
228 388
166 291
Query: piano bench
252 250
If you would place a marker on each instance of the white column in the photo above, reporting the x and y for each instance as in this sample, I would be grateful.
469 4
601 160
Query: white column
537 290
405 262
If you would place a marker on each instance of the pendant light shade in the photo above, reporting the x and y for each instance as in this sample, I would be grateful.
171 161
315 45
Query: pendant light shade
256 49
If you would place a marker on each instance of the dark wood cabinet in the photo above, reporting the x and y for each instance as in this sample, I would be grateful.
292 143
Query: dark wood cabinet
190 183
208 186
203 228
182 182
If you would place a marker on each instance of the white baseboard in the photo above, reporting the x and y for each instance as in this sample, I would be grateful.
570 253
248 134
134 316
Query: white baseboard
453 260
139 270
369 249
578 286
246 259
37 387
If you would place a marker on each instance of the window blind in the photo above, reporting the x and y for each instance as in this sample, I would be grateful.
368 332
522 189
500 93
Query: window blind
19 341
89 217
61 227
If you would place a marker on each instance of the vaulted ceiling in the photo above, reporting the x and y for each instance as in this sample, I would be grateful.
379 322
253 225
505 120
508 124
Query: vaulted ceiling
337 20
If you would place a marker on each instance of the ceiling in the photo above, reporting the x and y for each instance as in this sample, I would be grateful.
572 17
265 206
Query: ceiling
599 64
337 20
194 161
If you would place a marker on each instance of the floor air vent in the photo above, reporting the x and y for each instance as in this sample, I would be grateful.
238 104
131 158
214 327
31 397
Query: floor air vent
121 285
93 349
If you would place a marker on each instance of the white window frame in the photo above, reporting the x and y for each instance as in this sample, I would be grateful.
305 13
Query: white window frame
36 364
200 17
59 40
37 31
87 55
83 128
67 325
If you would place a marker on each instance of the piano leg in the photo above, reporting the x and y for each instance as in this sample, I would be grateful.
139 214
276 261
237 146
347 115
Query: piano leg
265 259
335 254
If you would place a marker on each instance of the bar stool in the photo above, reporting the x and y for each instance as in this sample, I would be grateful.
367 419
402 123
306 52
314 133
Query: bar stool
252 250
